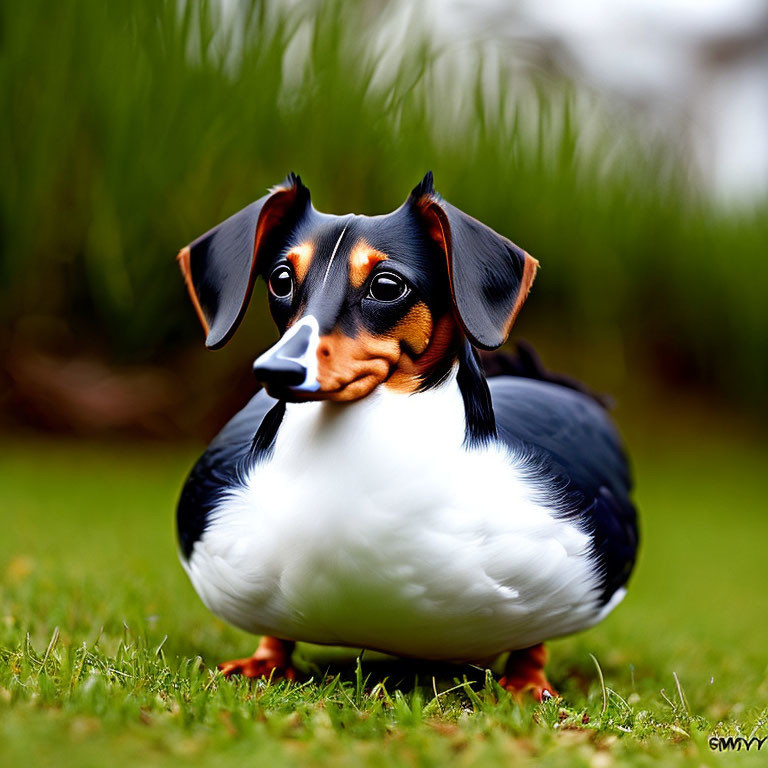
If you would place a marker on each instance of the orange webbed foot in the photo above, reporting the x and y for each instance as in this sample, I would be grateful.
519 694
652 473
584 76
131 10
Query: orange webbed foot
524 673
272 659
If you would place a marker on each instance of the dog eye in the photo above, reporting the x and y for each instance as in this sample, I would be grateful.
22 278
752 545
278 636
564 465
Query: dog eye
281 282
387 287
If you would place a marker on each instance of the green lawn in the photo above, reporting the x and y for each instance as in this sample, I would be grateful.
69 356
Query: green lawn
106 653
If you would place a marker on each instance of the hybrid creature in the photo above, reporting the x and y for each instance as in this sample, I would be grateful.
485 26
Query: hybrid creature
380 492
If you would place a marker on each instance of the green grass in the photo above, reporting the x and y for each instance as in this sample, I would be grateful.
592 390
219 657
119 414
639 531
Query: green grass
106 654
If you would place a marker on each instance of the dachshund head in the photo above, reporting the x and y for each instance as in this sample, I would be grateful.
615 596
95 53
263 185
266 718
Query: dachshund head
360 301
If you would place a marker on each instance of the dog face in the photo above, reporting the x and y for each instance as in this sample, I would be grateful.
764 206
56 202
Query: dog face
360 301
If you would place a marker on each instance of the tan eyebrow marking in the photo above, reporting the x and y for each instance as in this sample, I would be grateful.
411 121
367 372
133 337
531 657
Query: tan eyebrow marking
300 257
361 261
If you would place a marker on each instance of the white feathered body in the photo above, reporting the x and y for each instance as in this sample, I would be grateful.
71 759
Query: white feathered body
371 525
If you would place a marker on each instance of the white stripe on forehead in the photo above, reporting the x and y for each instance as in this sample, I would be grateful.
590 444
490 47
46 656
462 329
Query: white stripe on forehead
333 255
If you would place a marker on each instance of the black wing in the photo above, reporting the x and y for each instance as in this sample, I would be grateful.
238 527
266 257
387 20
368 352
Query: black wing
574 445
223 463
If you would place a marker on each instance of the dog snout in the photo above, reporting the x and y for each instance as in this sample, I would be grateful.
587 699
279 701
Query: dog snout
281 373
292 362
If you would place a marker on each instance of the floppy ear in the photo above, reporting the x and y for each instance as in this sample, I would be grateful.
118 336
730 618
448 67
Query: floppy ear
489 275
220 266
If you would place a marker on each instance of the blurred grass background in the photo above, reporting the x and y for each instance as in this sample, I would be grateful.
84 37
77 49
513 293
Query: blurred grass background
133 127
130 128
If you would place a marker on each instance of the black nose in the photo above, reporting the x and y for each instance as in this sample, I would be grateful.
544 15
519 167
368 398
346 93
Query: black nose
279 371
282 367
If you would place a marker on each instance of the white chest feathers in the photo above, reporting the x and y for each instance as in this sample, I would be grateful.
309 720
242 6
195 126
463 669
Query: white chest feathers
372 526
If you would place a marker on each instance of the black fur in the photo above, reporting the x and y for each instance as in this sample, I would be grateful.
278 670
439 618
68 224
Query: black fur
526 363
222 262
478 409
486 269
569 440
222 465
264 439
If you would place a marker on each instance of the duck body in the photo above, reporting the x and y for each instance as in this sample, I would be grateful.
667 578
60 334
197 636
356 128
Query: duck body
378 524
381 492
